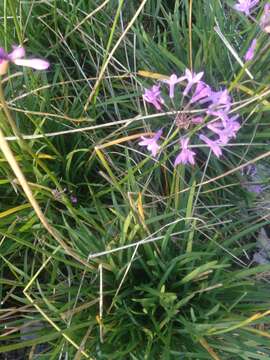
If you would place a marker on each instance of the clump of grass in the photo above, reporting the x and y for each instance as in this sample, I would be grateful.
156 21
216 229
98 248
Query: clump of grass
153 262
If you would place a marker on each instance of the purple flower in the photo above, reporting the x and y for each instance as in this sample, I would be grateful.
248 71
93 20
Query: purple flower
192 78
213 144
172 81
229 131
17 57
151 143
250 170
219 99
153 96
186 156
202 91
220 114
251 51
255 188
245 6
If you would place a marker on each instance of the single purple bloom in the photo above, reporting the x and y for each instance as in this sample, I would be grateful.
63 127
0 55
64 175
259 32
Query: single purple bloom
251 51
185 156
219 99
245 6
151 143
172 81
16 56
250 170
192 78
153 96
213 144
229 130
202 91
227 133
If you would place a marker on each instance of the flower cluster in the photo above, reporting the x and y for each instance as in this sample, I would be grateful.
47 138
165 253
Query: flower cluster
196 92
215 105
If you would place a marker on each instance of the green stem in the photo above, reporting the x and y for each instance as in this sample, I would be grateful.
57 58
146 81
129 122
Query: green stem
8 113
16 23
23 144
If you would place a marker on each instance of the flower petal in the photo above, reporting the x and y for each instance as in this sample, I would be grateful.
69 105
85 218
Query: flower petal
17 53
36 64
3 54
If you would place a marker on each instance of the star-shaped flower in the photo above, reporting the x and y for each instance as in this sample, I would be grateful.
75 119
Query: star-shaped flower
192 78
227 132
172 81
151 143
185 156
153 96
213 144
202 91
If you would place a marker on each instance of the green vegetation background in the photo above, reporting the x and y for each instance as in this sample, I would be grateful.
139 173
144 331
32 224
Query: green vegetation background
171 274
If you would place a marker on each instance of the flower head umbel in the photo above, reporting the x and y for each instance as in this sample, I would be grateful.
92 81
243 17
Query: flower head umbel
192 78
213 144
251 51
153 96
151 143
172 81
245 6
16 56
186 156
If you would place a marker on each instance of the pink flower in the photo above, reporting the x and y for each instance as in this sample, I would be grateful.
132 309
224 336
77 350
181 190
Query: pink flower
219 99
229 131
192 78
213 144
17 57
202 91
151 143
172 81
186 156
251 51
153 96
245 6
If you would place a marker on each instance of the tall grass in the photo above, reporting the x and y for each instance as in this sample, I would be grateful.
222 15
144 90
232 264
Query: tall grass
160 263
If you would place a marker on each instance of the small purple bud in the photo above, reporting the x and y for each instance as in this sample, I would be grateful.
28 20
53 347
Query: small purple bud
251 51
